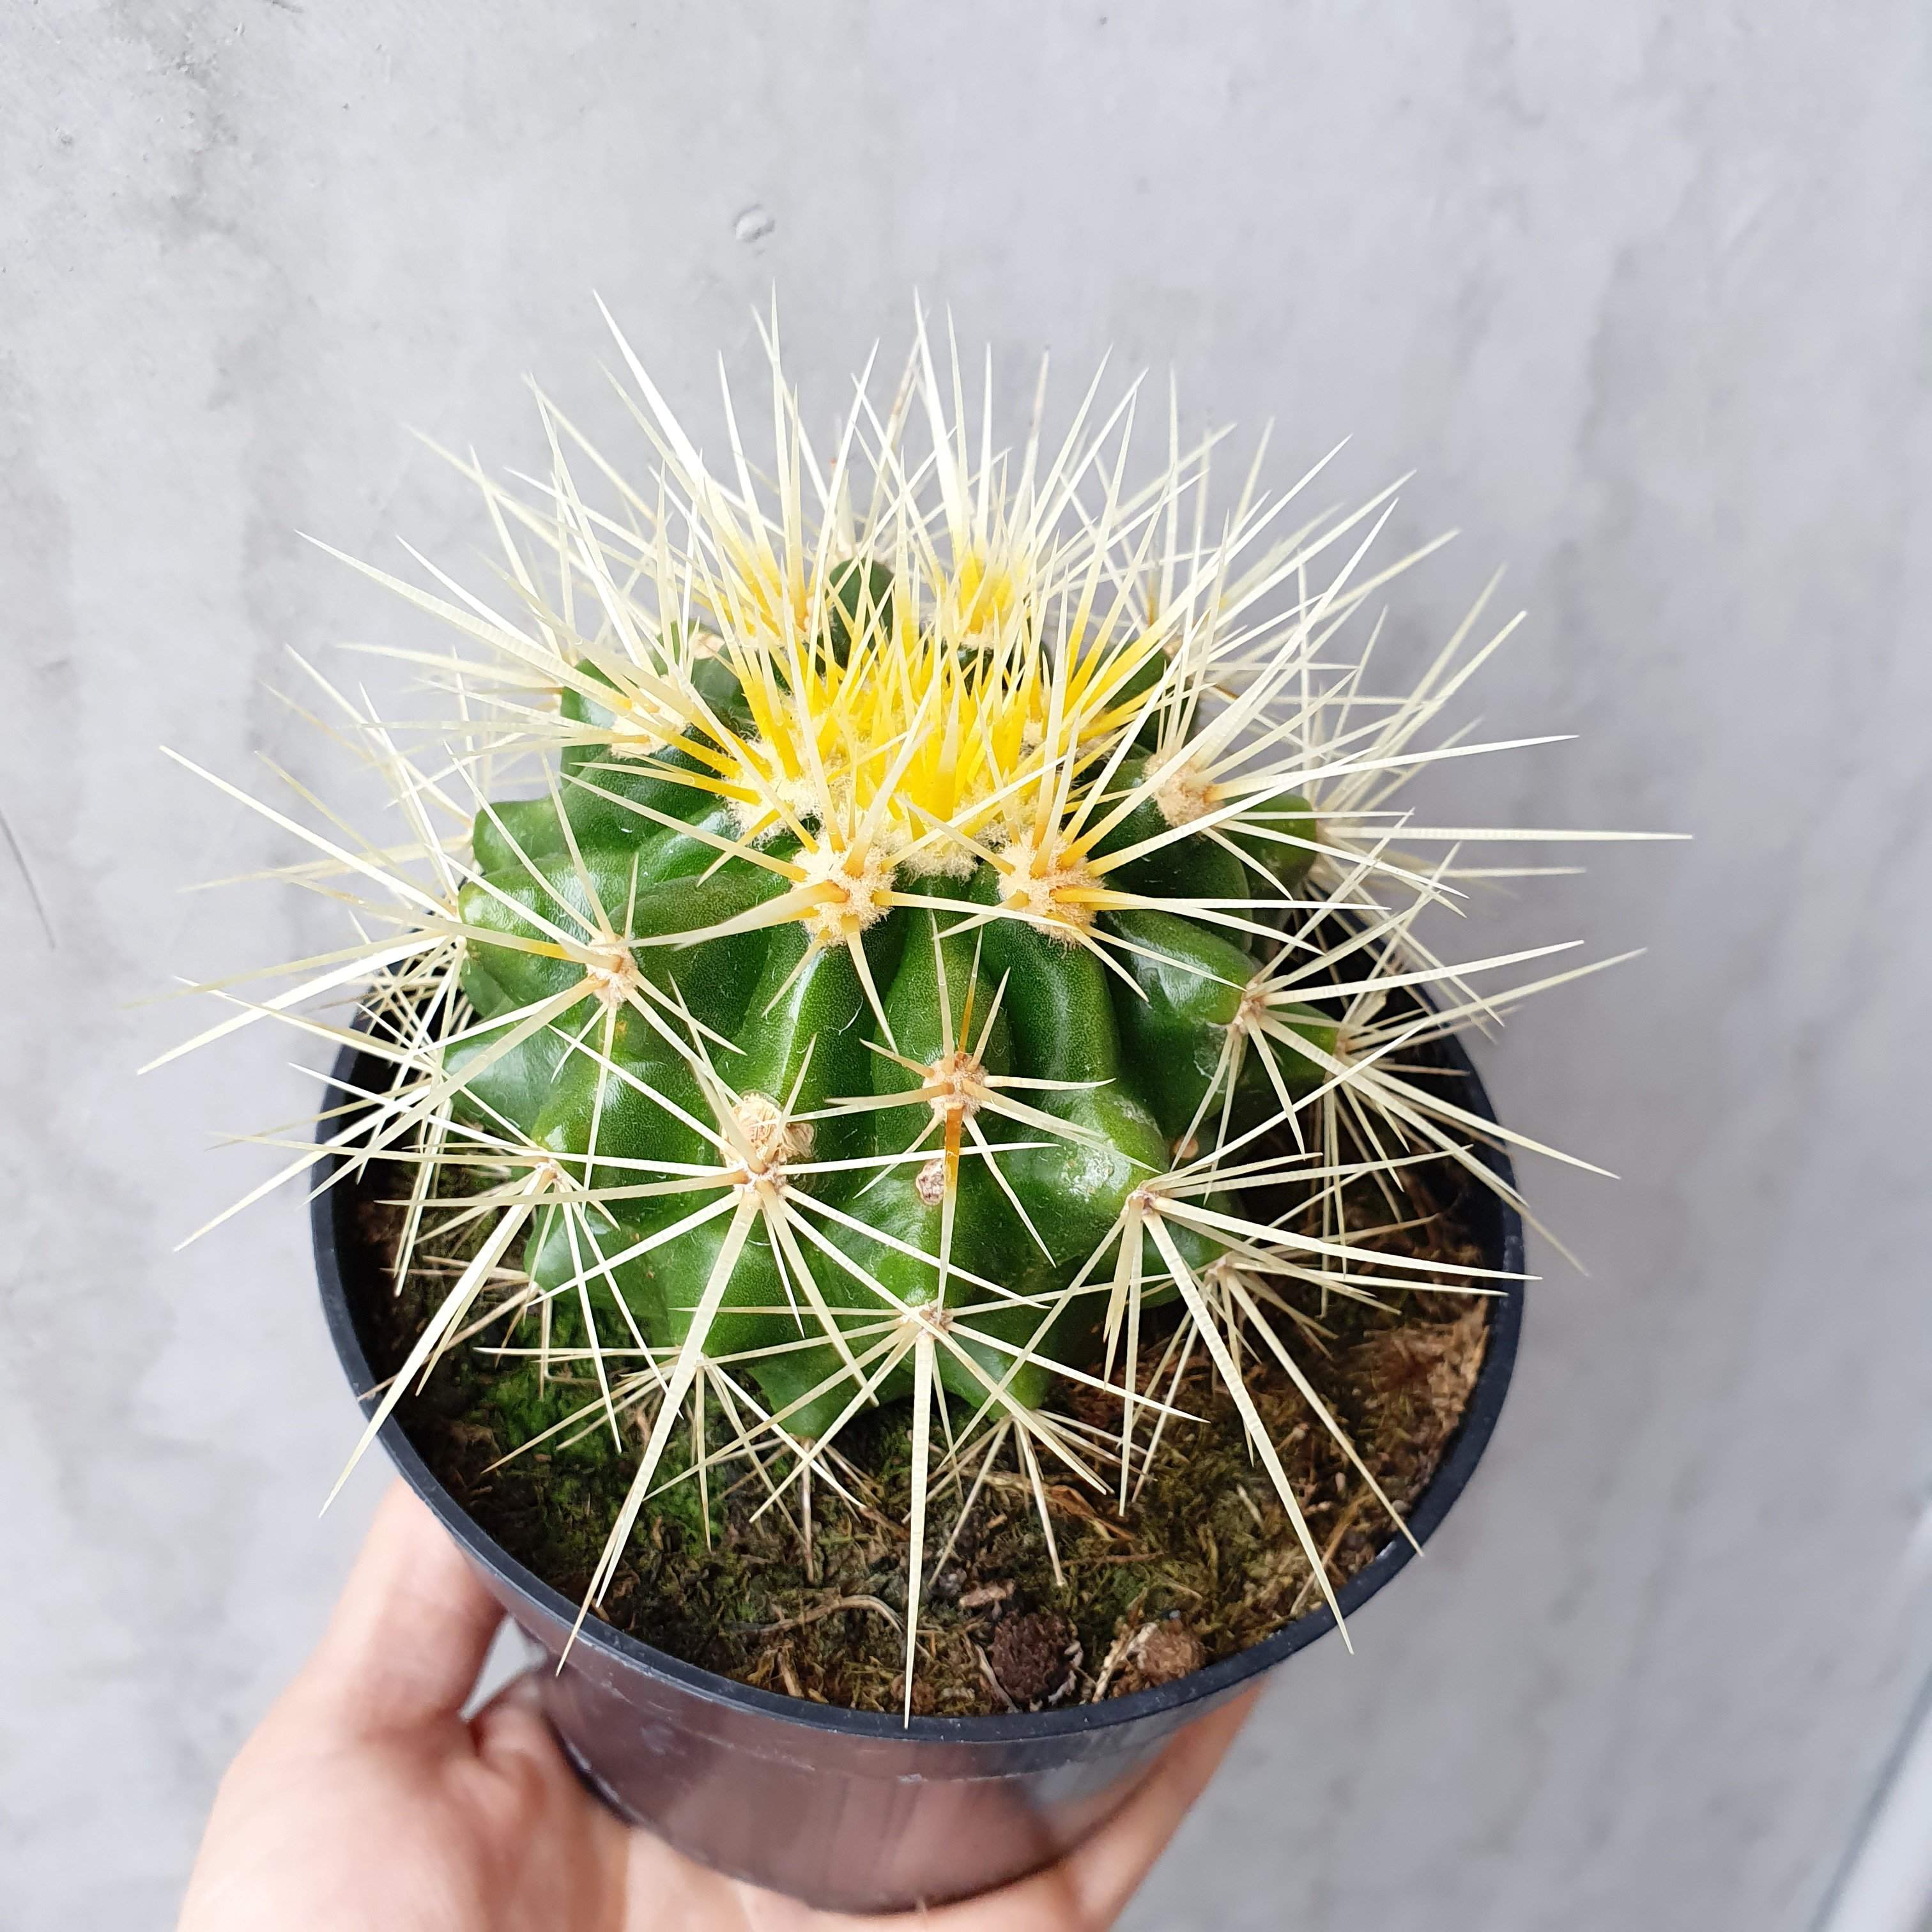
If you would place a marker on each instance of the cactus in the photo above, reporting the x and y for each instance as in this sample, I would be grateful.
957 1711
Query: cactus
854 945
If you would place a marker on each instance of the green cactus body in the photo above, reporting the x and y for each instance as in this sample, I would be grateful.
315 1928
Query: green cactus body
1114 1065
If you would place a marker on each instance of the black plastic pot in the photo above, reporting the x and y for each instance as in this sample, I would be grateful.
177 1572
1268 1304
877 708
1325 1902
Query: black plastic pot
853 1809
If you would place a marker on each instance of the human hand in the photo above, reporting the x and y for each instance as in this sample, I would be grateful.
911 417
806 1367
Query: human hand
366 1803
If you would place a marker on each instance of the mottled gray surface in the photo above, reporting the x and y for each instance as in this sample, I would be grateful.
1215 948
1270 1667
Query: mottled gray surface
1642 289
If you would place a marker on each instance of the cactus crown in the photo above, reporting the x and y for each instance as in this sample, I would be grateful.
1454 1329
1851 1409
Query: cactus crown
943 885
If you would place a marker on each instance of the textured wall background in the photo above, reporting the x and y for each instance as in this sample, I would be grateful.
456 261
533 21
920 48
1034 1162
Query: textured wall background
1642 289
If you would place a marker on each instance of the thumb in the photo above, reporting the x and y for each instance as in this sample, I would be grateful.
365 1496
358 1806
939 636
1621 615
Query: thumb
410 1635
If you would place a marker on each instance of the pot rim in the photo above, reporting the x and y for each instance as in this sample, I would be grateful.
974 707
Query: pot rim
1465 1449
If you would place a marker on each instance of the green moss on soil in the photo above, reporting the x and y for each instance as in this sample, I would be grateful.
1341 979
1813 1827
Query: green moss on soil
1204 1565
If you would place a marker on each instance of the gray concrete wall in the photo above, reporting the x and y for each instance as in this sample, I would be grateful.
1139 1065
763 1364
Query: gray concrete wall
1642 290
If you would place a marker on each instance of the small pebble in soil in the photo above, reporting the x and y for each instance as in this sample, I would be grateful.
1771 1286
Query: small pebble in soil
985 1593
1169 1651
1029 1655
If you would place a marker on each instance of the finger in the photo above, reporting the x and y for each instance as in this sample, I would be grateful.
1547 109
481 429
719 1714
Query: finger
410 1633
574 1852
512 1724
1087 1890
1106 1871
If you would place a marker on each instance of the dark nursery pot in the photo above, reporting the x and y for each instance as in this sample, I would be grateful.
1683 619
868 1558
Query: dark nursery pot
855 1810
